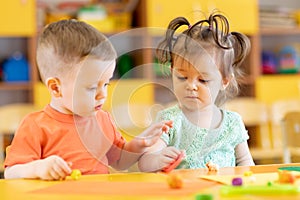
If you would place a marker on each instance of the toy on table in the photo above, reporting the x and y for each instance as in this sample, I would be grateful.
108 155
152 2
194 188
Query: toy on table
260 189
175 181
204 197
237 181
212 166
285 176
75 174
174 164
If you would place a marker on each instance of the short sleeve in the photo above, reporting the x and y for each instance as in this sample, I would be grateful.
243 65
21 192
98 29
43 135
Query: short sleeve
238 128
118 142
26 145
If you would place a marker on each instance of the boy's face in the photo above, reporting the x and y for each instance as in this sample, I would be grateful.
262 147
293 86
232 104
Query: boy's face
196 85
85 93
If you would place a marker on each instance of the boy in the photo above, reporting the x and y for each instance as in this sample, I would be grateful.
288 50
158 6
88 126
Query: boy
76 63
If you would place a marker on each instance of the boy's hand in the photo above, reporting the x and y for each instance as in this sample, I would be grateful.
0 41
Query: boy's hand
53 168
153 133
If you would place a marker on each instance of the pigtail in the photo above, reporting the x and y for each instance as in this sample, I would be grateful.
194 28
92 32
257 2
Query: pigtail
165 48
215 27
241 46
219 26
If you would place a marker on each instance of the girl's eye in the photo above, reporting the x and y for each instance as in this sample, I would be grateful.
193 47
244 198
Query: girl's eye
106 84
181 78
203 81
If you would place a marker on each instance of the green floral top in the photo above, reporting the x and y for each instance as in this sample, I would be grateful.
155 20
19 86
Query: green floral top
203 145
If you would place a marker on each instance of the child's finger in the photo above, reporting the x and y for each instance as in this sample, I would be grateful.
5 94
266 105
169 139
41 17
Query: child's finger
64 166
169 123
167 126
70 164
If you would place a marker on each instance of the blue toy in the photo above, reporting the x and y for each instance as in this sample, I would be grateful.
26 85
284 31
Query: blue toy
289 59
16 68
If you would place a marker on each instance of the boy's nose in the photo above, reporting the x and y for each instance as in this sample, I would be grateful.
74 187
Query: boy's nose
101 94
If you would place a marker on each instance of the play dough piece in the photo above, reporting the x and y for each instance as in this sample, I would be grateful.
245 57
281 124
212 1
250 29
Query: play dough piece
175 181
174 164
76 174
237 181
212 167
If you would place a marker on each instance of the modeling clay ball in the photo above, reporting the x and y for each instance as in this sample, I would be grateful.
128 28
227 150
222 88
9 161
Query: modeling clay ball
248 173
175 181
237 181
269 183
76 174
212 167
252 179
286 177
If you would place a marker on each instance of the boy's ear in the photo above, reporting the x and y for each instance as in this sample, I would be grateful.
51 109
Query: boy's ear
53 85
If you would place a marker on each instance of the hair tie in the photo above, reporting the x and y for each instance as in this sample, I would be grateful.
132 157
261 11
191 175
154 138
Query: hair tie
210 27
189 26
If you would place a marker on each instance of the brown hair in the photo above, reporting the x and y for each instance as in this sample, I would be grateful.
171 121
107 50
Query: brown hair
212 35
64 43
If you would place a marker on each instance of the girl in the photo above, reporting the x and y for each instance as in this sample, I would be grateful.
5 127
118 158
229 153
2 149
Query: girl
205 60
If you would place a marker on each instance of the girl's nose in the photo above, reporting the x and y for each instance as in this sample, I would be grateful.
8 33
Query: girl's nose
192 85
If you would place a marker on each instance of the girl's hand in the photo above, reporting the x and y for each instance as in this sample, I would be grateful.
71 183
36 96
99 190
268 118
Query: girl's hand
153 133
167 156
52 168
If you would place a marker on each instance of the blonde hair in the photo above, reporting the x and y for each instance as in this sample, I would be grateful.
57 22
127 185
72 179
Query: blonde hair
65 43
212 36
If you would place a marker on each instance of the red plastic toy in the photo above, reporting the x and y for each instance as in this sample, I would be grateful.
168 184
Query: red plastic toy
174 164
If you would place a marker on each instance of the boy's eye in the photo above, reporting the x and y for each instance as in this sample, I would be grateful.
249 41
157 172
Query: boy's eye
92 88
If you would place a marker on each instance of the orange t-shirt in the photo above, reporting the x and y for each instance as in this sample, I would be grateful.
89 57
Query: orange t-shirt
89 143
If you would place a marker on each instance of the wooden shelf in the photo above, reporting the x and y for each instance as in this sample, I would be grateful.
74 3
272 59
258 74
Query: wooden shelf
16 86
279 31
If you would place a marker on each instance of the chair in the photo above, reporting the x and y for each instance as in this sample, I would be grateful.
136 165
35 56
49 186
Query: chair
291 135
278 110
11 115
255 115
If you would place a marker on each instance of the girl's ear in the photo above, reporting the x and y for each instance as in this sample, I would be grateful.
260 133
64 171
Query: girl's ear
53 85
225 82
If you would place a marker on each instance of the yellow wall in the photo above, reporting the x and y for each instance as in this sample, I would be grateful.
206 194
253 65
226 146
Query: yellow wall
277 87
242 14
17 17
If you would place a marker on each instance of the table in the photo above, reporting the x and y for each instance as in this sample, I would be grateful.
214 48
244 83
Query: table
133 186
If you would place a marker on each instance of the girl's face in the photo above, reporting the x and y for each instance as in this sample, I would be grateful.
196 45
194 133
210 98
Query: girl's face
85 93
196 85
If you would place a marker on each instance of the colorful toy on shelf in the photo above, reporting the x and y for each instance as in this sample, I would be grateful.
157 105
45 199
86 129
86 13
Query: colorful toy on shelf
124 66
16 68
269 65
289 59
